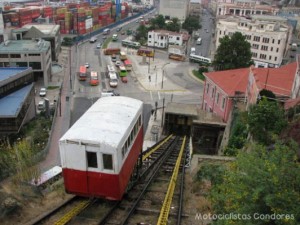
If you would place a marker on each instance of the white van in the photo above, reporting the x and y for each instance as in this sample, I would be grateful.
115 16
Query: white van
41 105
193 50
199 41
113 80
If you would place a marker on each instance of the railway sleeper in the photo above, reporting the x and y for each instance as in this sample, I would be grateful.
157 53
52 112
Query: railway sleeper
154 211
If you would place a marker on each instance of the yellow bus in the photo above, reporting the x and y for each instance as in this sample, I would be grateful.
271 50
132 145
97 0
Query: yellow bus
123 56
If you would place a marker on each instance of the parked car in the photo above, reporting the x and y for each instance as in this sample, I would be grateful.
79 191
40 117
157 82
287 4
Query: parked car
87 65
119 28
123 32
118 63
109 93
41 105
43 92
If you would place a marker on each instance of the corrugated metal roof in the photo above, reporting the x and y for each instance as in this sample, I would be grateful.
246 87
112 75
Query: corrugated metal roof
11 104
105 122
7 72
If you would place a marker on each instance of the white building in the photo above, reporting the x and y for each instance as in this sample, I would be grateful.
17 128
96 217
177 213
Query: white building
174 8
28 53
269 36
195 8
164 38
244 8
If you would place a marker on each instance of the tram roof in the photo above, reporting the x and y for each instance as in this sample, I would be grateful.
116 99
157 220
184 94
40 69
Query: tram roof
105 122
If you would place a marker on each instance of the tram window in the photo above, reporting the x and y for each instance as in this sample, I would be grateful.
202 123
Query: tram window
92 159
107 162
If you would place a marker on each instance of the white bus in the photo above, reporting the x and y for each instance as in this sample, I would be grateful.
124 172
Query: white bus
113 80
199 59
131 44
115 37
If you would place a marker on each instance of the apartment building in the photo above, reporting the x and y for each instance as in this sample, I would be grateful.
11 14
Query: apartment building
34 53
269 36
174 8
245 8
195 8
164 38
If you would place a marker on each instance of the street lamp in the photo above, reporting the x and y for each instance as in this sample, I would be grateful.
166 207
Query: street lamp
163 73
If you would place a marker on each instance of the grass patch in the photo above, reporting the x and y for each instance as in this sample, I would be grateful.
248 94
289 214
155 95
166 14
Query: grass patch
52 87
198 75
106 42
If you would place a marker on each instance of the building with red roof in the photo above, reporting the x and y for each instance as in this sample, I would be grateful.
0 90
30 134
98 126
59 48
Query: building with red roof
223 88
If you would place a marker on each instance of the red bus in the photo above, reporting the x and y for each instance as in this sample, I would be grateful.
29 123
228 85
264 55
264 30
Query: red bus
94 78
82 73
128 65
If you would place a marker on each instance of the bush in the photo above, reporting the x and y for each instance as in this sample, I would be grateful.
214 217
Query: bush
211 172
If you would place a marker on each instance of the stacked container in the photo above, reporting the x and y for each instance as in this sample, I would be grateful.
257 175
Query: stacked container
48 12
68 22
81 21
25 16
36 13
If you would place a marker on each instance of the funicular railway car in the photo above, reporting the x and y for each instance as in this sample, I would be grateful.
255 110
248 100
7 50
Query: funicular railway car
99 152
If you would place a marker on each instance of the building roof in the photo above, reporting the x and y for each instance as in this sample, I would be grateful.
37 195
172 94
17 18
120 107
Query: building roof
46 29
290 103
33 32
167 32
106 122
24 46
8 72
11 104
230 81
278 80
182 109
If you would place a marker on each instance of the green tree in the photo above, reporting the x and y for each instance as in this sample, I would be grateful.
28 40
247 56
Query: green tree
233 52
141 33
191 23
174 25
266 119
160 22
268 94
260 182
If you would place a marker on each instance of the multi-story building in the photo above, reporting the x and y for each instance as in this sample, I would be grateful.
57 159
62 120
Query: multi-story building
164 38
28 53
195 8
245 8
17 102
47 32
148 3
269 36
174 8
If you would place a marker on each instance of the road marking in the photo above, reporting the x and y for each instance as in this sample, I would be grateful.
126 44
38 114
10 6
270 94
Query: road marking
151 95
158 93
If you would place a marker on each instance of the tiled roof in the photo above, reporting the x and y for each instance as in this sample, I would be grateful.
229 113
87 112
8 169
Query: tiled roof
278 80
230 81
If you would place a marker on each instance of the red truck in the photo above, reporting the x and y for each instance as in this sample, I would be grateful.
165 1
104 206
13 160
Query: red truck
110 51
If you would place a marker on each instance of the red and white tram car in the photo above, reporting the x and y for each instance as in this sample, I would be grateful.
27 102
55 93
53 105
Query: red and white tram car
99 152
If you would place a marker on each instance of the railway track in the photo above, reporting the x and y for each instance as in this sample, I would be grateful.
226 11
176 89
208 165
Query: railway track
155 196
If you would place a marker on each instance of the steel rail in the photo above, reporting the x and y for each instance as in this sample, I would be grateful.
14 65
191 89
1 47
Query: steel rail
165 210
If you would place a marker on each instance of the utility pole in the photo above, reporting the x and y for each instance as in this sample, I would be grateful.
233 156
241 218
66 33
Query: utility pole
162 114
70 66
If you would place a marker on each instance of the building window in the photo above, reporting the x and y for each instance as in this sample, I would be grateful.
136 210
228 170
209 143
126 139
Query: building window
277 49
223 103
34 54
279 42
35 65
273 41
256 38
161 38
271 49
254 54
266 40
212 92
262 56
4 56
264 48
15 56
270 57
149 36
255 46
275 59
92 159
107 161
207 88
217 98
